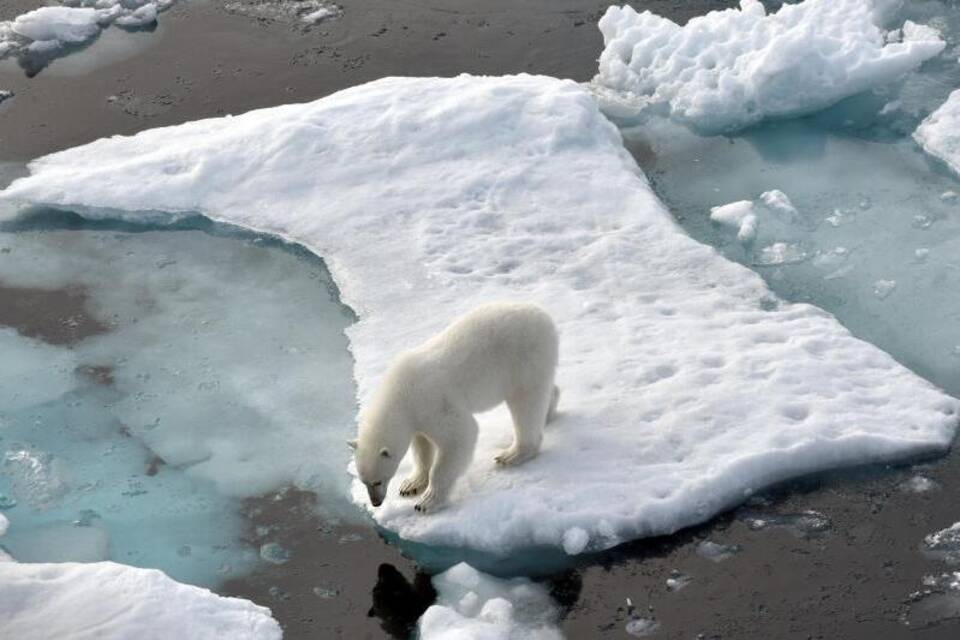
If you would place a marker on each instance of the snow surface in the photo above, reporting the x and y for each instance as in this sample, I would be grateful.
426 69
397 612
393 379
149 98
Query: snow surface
939 133
733 68
110 601
48 30
474 606
686 384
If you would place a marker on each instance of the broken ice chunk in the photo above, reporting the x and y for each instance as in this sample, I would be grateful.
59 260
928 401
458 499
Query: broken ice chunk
739 215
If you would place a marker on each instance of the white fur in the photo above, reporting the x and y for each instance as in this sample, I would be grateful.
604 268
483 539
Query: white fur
501 352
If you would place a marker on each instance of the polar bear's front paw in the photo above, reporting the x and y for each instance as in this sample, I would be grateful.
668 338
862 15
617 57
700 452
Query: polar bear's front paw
413 485
429 502
513 456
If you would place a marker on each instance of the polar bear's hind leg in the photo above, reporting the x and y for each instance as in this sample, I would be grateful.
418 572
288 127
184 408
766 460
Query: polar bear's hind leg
530 410
554 401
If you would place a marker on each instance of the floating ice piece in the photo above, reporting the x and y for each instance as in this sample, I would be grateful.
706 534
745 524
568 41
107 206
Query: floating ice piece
739 215
292 11
677 580
47 31
937 601
883 288
474 605
428 197
4 94
112 601
730 69
4 524
804 524
717 552
944 544
939 135
274 553
780 253
778 202
918 484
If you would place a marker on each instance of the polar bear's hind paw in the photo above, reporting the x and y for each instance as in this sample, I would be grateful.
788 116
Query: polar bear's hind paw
413 485
512 456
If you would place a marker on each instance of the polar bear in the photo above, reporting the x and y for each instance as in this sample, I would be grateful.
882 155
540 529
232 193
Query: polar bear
500 352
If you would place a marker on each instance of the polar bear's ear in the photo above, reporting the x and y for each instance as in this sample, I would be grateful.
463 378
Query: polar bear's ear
352 444
384 453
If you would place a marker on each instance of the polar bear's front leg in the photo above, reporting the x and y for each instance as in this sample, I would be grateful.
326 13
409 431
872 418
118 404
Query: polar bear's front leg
453 452
422 461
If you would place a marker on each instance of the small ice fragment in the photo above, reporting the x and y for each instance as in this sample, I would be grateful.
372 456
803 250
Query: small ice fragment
717 552
575 540
803 525
350 537
780 253
936 602
85 518
274 553
918 484
677 581
922 254
320 14
640 627
778 202
944 544
921 221
4 524
865 203
949 196
326 592
7 502
841 217
5 95
277 592
883 288
739 215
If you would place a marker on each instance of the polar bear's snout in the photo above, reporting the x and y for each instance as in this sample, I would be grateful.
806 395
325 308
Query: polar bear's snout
377 491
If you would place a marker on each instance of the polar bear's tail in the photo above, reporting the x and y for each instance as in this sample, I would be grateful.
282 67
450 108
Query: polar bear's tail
554 400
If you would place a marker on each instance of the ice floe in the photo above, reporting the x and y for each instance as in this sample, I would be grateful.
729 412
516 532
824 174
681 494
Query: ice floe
733 68
47 32
111 601
687 385
472 605
939 135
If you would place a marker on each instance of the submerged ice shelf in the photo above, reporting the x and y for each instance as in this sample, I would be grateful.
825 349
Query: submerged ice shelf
428 197
199 355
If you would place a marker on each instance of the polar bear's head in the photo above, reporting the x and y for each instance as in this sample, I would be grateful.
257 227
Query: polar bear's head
377 460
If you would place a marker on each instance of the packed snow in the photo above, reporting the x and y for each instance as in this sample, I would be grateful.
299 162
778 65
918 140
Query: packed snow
47 32
939 134
731 69
472 605
110 601
686 383
218 350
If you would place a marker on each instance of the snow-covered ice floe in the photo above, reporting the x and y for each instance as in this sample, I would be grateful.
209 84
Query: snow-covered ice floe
46 32
474 605
686 384
733 68
110 601
939 133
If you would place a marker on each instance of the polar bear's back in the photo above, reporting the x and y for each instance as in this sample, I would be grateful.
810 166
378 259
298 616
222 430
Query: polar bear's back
486 354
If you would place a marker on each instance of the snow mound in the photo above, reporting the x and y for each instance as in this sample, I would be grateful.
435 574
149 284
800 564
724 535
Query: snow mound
733 68
108 601
474 606
47 31
939 133
686 384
